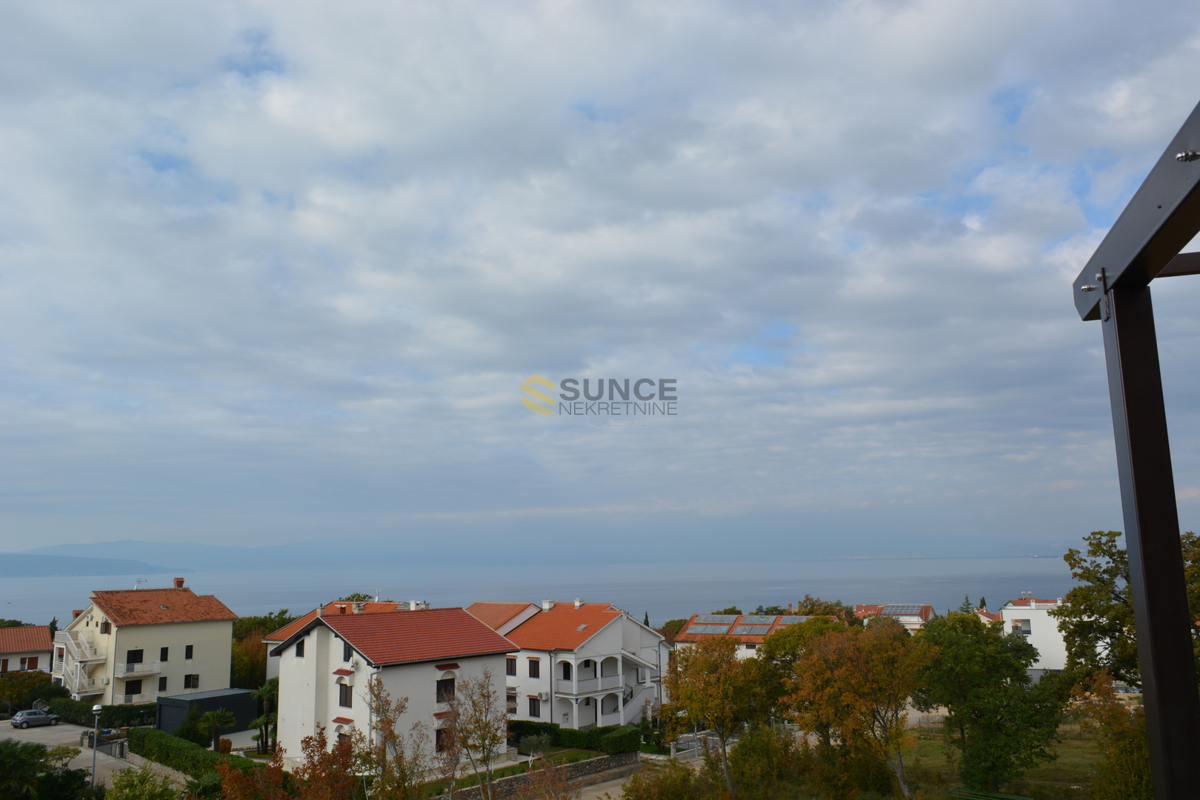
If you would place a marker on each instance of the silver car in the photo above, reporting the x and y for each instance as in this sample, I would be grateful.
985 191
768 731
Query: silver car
23 719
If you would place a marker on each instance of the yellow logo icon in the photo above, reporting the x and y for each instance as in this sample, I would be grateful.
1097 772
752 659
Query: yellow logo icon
532 405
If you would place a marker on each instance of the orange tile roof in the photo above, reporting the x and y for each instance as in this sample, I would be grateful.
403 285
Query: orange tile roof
1024 601
400 637
560 627
25 639
685 636
495 614
159 606
370 607
988 615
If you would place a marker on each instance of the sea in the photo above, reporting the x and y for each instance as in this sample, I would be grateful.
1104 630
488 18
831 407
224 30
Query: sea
662 591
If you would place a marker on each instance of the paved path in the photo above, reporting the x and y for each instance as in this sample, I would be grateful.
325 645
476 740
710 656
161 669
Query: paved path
67 734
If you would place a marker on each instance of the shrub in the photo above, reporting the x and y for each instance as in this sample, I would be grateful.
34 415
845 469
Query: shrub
535 743
189 729
225 746
141 784
80 713
625 739
187 757
518 729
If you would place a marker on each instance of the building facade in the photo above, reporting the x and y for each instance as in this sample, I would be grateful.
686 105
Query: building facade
25 647
1030 617
136 645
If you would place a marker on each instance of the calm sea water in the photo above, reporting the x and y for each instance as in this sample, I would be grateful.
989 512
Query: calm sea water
666 591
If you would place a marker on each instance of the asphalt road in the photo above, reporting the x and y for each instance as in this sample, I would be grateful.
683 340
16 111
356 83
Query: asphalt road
67 734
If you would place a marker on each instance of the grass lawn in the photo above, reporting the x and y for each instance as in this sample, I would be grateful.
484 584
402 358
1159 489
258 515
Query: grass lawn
1053 780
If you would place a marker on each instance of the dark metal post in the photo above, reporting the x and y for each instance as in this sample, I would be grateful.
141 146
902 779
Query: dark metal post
1158 587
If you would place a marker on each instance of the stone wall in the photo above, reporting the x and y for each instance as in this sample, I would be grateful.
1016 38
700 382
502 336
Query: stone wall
508 787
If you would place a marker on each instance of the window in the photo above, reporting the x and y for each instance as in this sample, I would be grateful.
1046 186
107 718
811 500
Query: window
535 668
3 665
187 651
347 651
106 627
33 662
23 660
439 740
345 695
162 684
535 707
134 656
566 670
445 690
300 649
510 666
162 653
191 681
511 699
133 687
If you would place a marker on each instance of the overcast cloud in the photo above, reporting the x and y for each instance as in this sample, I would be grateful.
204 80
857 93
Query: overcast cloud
275 271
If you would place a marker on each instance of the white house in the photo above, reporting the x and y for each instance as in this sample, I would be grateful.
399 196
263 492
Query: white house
135 645
911 615
276 638
25 647
1030 617
581 665
749 630
325 665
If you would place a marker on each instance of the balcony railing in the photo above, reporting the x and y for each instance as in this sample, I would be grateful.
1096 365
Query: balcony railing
78 646
129 699
140 668
610 681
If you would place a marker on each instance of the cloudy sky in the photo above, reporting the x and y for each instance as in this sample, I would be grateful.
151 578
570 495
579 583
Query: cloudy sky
273 272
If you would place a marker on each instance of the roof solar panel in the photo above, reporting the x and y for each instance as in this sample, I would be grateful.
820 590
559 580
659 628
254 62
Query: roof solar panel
791 620
708 629
751 630
728 618
753 620
896 610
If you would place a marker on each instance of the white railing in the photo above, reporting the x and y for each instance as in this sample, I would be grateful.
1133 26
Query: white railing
129 699
577 687
610 681
78 685
140 668
78 646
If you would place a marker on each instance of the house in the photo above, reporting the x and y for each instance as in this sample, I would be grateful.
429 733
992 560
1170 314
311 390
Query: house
325 666
276 638
750 630
136 645
911 615
25 647
581 665
1030 617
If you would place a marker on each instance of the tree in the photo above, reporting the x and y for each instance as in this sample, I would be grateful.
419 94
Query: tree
256 784
448 752
17 688
248 662
356 597
213 721
857 683
53 627
671 628
20 764
141 784
1000 722
771 610
268 695
479 708
775 661
731 610
14 623
1097 619
264 624
327 773
816 607
547 781
1124 769
397 761
646 621
710 687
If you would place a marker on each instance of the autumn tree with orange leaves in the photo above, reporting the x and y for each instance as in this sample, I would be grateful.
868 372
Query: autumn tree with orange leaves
855 684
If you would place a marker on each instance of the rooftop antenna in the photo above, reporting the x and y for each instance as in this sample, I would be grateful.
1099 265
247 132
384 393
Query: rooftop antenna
377 593
137 583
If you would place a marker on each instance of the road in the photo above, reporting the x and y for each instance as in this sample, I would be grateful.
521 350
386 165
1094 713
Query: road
66 734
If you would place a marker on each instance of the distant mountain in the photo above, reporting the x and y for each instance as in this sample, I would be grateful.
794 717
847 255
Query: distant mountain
26 565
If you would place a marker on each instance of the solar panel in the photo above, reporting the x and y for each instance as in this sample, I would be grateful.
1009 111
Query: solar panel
751 630
729 618
901 610
791 620
708 629
752 620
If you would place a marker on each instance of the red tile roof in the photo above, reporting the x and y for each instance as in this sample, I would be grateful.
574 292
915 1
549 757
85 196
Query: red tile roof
988 615
495 614
370 607
436 634
343 720
1024 601
159 606
563 627
25 639
686 636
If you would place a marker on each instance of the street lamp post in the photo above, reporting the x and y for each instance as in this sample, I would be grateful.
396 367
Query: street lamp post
96 709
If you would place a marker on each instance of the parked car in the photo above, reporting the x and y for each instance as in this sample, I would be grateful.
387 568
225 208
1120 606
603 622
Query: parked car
23 719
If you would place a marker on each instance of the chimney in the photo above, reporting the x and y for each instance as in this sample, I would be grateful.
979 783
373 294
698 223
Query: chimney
341 608
179 583
320 611
791 607
358 608
75 614
578 602
547 605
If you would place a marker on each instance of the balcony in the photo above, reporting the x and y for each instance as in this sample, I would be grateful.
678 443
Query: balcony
588 685
129 699
140 668
81 685
78 646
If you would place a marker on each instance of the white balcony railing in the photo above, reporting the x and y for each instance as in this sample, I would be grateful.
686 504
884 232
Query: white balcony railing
78 646
610 681
140 668
129 699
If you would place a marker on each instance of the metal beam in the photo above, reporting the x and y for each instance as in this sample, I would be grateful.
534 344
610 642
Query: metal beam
1162 217
1182 264
1156 574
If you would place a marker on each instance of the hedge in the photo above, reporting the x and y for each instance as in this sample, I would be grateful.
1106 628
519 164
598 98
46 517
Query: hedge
187 757
518 729
625 739
609 739
80 713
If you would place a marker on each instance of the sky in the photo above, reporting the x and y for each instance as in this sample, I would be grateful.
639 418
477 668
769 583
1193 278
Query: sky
275 272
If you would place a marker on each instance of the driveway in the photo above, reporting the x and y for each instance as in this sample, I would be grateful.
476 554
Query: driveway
67 734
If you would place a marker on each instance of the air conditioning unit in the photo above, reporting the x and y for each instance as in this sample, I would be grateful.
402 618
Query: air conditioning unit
104 681
354 663
543 695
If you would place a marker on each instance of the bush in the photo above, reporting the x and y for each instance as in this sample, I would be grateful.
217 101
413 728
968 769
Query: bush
569 737
141 784
518 729
225 746
187 757
80 713
535 743
625 739
189 729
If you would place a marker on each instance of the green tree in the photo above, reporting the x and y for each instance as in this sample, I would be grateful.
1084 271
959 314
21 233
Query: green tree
481 722
20 765
264 624
816 607
1120 730
268 697
711 688
771 610
17 688
190 729
14 623
53 626
213 721
141 784
965 607
857 683
248 662
731 610
999 721
1097 620
671 628
356 597
775 661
